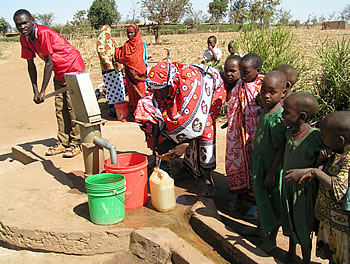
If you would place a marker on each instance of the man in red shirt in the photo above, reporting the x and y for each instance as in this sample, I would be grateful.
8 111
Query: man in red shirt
60 57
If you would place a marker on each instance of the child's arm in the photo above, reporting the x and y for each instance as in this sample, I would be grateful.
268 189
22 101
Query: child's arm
325 153
214 58
269 180
300 175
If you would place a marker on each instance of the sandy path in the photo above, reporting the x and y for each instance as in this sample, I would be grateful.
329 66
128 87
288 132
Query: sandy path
21 119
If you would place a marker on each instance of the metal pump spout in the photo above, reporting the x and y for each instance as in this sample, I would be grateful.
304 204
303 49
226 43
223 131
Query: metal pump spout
104 144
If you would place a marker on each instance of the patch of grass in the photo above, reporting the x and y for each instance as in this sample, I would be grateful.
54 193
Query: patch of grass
332 88
13 39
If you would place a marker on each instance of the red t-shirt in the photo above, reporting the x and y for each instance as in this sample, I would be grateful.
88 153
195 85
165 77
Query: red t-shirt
65 58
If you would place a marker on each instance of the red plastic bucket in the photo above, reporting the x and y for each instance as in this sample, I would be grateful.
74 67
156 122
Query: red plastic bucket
133 167
122 110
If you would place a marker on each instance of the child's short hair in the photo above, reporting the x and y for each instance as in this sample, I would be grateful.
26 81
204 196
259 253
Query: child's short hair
289 71
212 37
254 59
305 102
234 58
278 76
340 124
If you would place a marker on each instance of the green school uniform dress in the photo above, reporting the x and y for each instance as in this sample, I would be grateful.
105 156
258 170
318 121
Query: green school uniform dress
298 200
269 138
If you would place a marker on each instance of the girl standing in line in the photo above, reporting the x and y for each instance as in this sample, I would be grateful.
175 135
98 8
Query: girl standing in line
242 117
267 157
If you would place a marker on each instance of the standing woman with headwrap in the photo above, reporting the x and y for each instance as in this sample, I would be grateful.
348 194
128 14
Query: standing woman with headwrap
132 56
111 70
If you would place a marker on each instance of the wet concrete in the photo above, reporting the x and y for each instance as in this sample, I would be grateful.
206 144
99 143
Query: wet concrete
188 190
50 204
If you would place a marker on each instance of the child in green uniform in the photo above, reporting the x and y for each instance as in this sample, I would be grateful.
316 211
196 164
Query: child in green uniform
303 145
267 156
332 204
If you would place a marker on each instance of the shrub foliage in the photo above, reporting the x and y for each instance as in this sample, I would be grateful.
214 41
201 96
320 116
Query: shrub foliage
333 83
275 46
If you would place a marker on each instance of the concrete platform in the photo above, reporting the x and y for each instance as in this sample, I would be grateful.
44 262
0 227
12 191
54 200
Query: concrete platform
40 211
44 208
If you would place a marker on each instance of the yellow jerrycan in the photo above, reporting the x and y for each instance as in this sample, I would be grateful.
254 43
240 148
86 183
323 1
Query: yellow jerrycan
162 190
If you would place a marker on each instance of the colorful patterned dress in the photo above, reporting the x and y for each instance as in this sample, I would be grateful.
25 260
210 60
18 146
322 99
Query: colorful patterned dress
298 200
333 234
111 71
269 138
189 111
242 118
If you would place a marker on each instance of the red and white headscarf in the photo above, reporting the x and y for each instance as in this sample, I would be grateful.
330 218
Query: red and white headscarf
161 75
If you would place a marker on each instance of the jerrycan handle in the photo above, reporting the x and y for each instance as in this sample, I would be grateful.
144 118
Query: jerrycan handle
158 161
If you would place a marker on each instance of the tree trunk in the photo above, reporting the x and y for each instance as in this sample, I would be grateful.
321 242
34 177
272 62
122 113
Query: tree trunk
156 33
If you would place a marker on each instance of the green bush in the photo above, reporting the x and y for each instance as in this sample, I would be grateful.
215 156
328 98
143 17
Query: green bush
333 83
275 46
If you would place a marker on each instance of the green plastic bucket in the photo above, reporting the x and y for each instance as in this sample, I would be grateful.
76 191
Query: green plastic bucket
106 196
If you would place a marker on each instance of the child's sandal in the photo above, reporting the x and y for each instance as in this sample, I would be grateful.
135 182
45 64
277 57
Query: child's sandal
211 191
252 213
234 205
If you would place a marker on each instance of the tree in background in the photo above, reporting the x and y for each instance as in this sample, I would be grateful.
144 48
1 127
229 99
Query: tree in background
218 9
162 11
262 11
332 16
80 18
345 14
4 25
239 11
45 19
283 17
255 11
132 17
321 19
103 12
195 18
177 10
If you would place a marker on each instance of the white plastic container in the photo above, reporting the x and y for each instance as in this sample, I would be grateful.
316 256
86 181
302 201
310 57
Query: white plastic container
162 191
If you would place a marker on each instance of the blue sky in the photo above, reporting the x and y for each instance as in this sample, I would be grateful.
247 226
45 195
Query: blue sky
65 9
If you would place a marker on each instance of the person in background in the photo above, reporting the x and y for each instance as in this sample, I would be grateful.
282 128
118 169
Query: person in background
213 54
242 117
131 55
269 144
188 99
232 48
60 57
302 150
332 207
112 73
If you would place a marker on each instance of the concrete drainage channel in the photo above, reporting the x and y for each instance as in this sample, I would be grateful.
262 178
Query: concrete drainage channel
205 221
